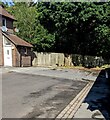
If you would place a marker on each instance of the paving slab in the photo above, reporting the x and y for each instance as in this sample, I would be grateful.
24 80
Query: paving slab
55 72
96 104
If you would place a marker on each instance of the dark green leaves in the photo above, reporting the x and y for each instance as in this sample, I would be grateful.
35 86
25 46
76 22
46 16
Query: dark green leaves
71 27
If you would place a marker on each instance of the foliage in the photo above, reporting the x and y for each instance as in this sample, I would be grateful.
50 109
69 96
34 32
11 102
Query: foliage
79 27
69 27
43 41
29 26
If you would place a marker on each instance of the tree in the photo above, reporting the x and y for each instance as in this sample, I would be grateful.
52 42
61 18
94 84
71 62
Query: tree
77 26
72 27
29 26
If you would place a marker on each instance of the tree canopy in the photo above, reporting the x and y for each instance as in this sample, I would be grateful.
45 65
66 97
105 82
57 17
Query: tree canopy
68 27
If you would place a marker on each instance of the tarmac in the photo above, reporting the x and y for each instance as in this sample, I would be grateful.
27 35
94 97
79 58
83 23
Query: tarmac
89 107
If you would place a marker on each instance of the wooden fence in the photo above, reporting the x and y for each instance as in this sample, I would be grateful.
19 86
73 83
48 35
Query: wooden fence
61 59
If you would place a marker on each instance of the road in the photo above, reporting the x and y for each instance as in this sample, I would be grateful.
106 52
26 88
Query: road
27 95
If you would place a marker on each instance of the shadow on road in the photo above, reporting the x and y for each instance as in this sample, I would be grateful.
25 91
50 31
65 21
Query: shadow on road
99 95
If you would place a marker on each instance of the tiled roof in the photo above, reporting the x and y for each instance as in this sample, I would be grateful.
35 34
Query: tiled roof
5 13
16 40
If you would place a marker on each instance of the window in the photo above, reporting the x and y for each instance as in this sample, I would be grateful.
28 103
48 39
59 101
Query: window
4 22
7 42
7 52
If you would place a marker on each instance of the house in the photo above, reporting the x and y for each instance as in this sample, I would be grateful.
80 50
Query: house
14 51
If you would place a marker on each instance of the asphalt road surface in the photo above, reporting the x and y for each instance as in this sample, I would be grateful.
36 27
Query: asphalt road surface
33 96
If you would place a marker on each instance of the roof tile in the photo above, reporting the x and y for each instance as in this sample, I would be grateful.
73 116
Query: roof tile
5 13
16 40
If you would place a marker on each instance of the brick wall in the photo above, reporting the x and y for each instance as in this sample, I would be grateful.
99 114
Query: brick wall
9 24
14 56
1 49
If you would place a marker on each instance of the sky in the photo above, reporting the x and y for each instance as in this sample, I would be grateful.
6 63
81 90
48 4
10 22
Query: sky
9 2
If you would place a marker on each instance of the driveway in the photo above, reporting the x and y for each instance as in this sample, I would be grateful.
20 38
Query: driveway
38 93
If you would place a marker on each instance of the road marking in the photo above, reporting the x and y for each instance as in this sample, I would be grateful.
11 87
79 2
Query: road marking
106 74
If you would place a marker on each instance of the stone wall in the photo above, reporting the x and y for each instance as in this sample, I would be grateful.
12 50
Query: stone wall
60 59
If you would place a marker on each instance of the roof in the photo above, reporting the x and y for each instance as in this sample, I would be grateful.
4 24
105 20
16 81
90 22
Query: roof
6 13
16 40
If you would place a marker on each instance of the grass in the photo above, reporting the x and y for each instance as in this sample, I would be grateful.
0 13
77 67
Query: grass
106 66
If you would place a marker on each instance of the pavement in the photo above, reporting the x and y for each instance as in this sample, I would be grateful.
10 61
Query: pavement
96 104
89 107
55 72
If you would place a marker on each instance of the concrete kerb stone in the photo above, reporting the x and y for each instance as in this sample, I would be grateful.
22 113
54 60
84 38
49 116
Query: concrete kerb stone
72 107
79 103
